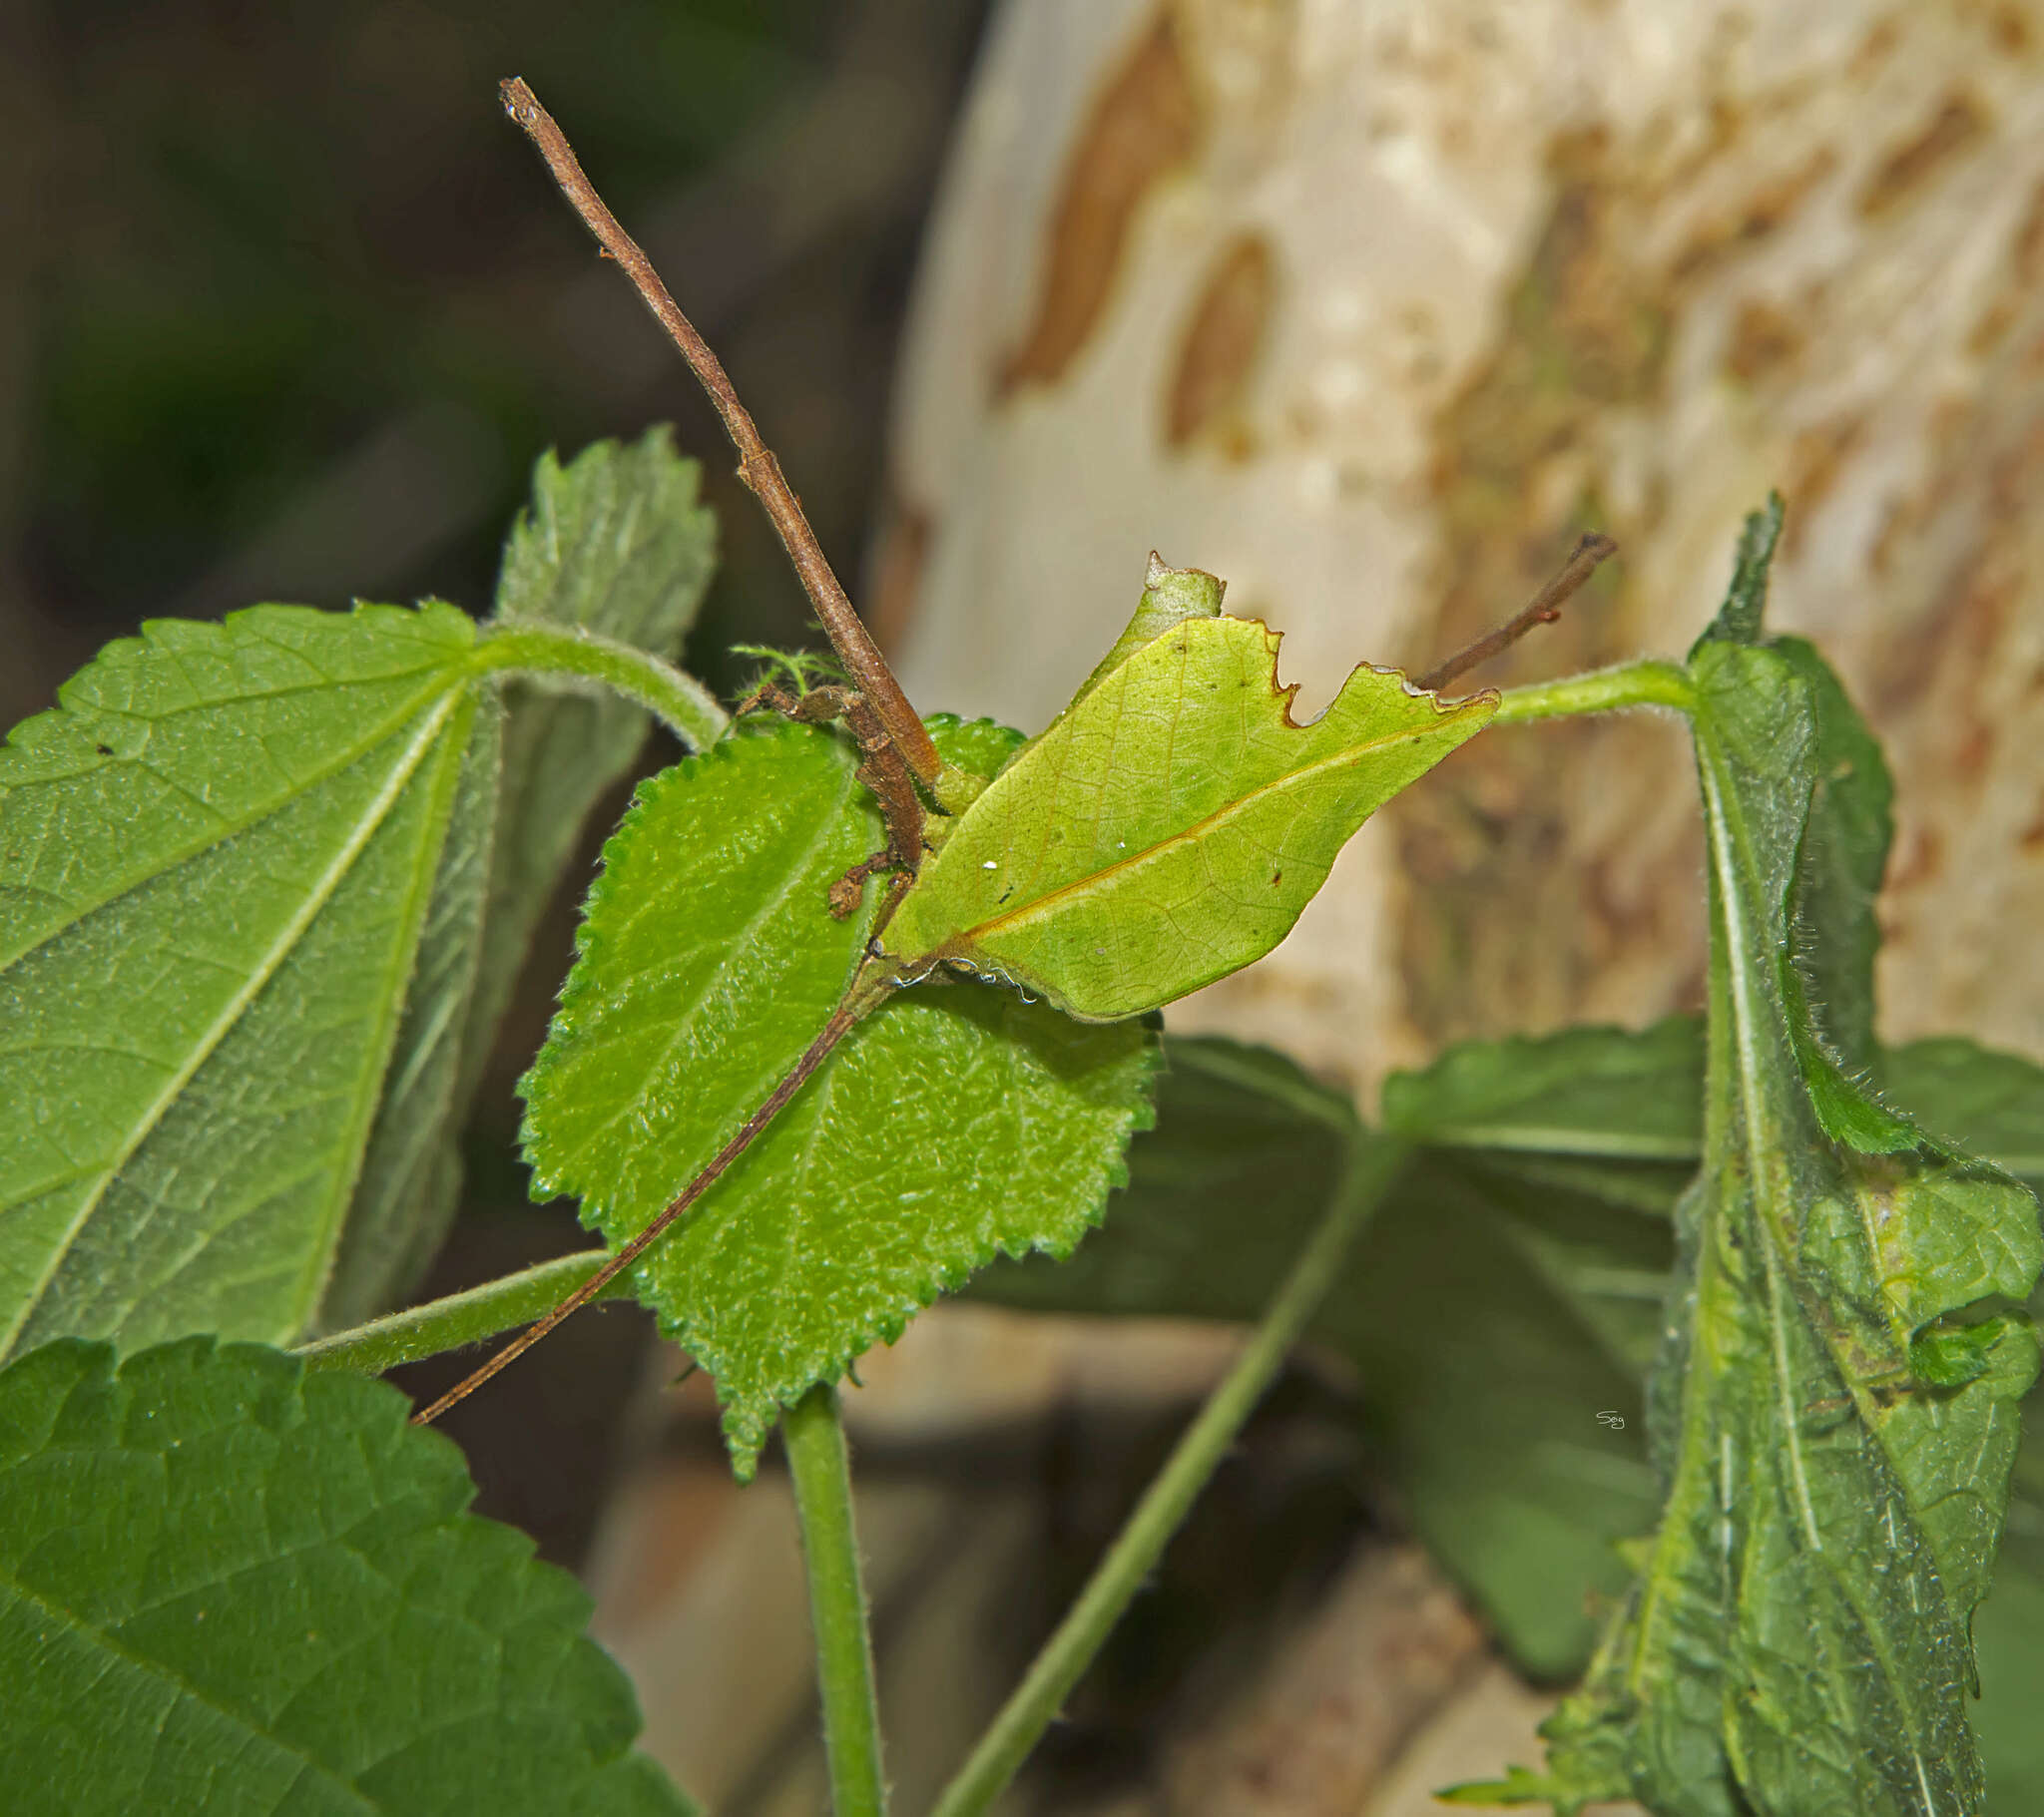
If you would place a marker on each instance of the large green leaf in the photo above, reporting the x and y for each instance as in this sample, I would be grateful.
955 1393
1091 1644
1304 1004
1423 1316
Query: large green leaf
953 1124
229 1586
1836 1416
216 859
615 543
1170 827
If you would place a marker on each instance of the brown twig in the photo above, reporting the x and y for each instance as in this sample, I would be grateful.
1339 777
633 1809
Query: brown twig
847 1013
1544 608
757 466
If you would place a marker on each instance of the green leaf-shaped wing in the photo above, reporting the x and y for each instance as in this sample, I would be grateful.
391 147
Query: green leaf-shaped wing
1170 827
229 1586
953 1124
216 859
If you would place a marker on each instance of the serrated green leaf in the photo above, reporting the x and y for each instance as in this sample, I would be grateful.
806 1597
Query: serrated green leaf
1532 1228
979 748
708 961
1170 827
1588 1093
2008 1638
1798 1639
229 1586
217 857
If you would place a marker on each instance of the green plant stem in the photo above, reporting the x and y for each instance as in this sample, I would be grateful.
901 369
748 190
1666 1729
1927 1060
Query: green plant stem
1373 1165
461 1318
680 702
837 1603
1645 684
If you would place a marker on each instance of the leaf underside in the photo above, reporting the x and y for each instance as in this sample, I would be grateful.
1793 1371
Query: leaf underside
1170 827
216 859
229 1586
953 1124
618 543
1836 1413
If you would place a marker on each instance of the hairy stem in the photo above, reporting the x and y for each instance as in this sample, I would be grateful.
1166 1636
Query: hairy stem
459 1319
1543 609
680 702
857 1001
1644 684
757 466
822 1471
1372 1166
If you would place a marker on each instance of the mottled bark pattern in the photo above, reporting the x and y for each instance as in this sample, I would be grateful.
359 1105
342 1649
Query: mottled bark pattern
1519 272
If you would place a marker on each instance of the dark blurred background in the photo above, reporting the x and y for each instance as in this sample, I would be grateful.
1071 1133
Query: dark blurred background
289 309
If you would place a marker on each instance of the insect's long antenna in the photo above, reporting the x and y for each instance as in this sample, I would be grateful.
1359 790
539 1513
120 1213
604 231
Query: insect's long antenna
757 466
1543 609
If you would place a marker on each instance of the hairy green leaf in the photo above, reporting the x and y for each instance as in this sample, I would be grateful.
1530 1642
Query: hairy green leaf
1836 1416
1170 825
1600 1100
229 1586
708 961
1845 852
218 858
1746 599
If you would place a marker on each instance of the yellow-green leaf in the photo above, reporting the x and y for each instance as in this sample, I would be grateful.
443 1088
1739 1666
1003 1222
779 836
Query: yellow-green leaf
1168 828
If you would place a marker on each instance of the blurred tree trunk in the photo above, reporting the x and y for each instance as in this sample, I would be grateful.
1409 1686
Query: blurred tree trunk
1370 305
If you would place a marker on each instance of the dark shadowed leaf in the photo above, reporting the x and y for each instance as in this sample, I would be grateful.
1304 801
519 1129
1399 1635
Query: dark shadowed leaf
1484 1381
